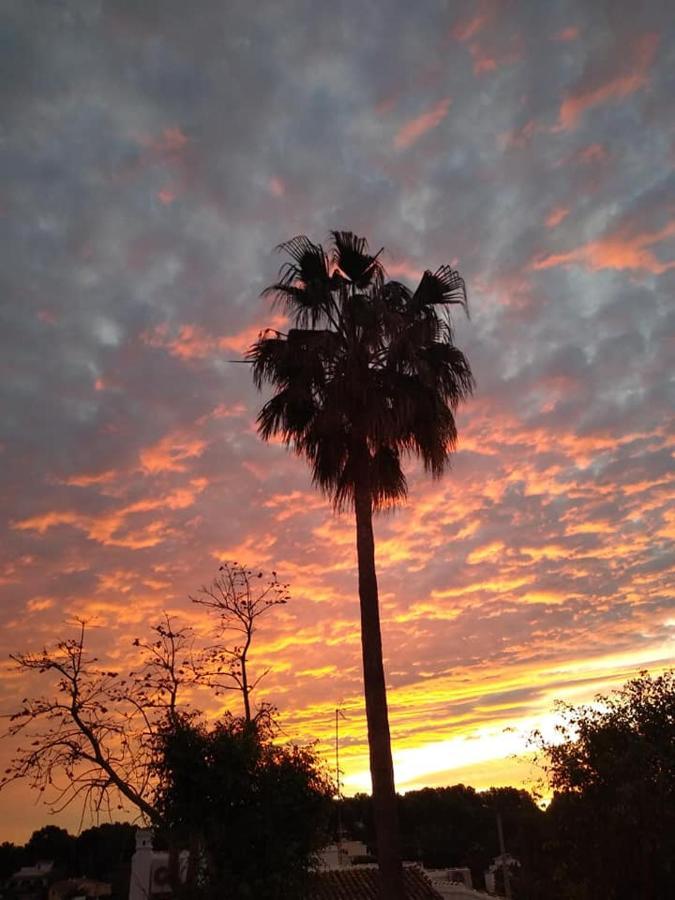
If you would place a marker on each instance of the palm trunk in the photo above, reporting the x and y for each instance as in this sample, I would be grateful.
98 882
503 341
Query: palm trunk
379 742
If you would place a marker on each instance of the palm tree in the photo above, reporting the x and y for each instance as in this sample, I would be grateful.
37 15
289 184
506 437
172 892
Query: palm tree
368 373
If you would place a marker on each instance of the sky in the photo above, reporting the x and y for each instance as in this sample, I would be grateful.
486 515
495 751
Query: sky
153 155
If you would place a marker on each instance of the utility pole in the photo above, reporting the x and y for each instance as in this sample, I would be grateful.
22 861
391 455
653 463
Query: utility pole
502 857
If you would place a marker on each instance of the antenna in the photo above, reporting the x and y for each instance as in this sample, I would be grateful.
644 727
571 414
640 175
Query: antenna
338 715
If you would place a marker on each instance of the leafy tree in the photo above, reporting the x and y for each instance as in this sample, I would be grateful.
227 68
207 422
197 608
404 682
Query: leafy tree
368 373
255 812
54 844
104 853
12 858
612 818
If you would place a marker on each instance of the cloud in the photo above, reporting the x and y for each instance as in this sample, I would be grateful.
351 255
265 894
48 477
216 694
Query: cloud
557 215
414 129
171 452
571 33
621 250
465 30
612 82
191 342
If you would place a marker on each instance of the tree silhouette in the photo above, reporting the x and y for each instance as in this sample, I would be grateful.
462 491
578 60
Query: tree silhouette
91 736
368 373
238 597
612 817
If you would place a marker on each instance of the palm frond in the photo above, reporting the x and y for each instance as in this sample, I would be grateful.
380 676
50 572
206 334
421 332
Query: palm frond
350 255
310 259
444 286
387 479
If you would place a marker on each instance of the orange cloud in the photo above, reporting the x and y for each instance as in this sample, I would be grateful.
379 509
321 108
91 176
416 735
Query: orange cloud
620 251
112 528
413 130
192 342
632 78
166 196
39 604
557 215
87 480
169 453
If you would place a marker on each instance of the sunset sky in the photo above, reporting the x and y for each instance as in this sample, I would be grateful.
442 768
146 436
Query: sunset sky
153 154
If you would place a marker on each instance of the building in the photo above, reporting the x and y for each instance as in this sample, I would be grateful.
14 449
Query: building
79 889
150 873
344 855
362 883
30 882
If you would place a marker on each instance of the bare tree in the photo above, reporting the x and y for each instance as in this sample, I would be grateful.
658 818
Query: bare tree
239 597
93 735
90 736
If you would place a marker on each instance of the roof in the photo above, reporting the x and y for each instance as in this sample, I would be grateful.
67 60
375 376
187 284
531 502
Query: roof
362 883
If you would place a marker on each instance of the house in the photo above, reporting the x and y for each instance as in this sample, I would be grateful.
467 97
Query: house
150 872
362 883
79 889
30 882
344 854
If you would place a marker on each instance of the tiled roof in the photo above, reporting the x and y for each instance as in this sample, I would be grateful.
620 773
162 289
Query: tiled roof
362 883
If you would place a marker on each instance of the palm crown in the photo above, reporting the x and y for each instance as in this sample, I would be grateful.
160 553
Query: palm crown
368 373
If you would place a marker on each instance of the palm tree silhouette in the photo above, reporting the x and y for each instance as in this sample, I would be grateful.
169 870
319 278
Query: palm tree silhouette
369 373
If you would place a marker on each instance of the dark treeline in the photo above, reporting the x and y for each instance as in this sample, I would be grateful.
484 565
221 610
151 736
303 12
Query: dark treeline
574 849
102 853
557 848
457 826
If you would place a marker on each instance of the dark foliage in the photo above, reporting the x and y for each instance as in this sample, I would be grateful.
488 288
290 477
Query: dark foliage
457 826
366 361
611 824
254 812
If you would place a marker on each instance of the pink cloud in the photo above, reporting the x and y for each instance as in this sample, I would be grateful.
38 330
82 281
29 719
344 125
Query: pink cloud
620 250
631 76
413 130
401 268
464 31
592 154
170 142
567 34
276 186
519 137
485 60
166 196
192 342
